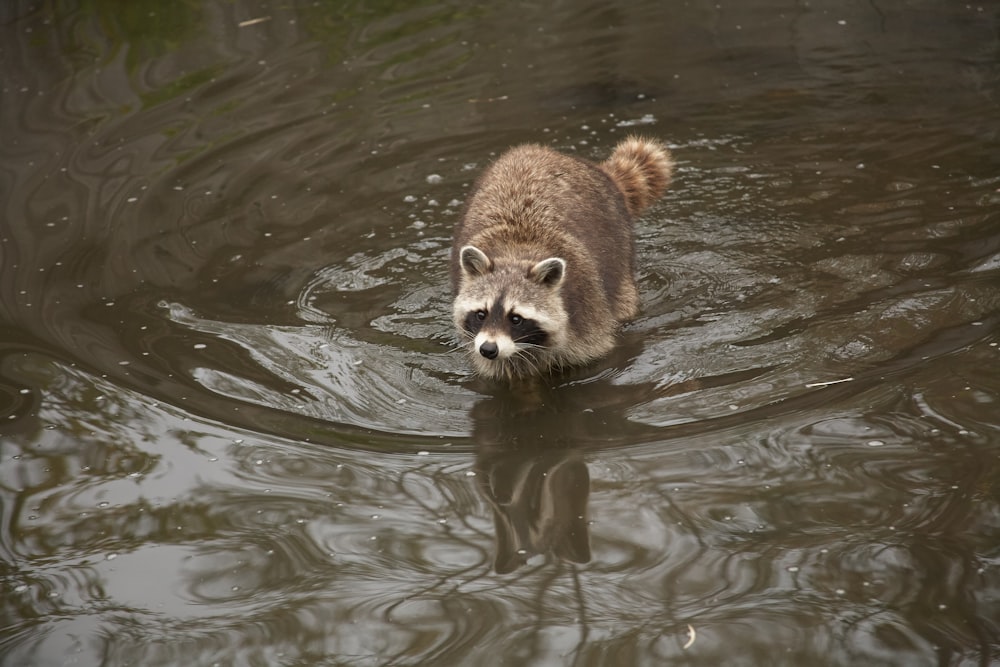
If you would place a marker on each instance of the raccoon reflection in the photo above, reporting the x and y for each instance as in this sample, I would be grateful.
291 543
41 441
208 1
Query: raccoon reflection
543 260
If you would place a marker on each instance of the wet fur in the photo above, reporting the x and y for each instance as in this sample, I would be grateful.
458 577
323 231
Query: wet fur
532 208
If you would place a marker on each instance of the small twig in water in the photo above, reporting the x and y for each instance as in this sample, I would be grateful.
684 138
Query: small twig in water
828 383
260 19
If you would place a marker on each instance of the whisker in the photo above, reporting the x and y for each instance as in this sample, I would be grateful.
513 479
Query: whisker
525 362
524 357
462 345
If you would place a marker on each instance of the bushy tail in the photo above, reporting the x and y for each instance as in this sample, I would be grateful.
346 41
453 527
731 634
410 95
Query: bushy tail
641 168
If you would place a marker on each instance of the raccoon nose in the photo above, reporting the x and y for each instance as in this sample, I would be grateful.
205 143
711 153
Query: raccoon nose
489 350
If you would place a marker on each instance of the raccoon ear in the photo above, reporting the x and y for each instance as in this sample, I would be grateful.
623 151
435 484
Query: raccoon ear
549 272
474 261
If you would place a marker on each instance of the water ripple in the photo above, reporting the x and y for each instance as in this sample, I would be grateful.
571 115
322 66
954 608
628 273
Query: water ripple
235 427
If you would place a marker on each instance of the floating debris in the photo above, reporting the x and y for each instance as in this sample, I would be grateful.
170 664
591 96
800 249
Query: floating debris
647 119
810 385
691 637
249 22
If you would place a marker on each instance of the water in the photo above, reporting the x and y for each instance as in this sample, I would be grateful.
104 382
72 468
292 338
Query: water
234 427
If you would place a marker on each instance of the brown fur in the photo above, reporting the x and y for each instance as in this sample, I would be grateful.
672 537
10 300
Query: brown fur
641 169
534 204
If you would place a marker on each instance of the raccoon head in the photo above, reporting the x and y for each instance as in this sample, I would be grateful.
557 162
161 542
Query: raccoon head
510 310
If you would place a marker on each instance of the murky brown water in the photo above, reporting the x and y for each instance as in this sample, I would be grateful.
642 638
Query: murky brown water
235 429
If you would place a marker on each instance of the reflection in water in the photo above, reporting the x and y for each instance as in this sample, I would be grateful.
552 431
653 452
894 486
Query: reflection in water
233 425
530 441
535 481
539 503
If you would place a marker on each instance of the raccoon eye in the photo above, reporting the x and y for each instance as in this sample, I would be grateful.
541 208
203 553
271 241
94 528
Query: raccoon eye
480 315
515 319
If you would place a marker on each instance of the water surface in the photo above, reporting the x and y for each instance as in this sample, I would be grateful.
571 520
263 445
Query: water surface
235 427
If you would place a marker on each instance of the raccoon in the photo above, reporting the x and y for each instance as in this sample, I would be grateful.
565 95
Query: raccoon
543 259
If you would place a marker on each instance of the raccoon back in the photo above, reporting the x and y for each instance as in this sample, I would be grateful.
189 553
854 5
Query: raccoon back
534 202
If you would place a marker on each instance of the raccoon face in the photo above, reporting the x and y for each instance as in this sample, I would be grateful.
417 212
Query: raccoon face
510 311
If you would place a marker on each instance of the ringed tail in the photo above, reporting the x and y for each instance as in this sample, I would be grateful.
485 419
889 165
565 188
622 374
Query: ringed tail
641 168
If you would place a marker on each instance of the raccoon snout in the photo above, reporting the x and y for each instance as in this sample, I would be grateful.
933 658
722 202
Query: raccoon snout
489 350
